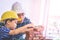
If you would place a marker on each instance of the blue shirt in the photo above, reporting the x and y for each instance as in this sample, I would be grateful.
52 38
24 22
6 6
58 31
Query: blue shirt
4 34
1 24
25 22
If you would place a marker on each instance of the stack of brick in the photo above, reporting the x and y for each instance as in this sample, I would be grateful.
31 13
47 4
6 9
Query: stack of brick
36 34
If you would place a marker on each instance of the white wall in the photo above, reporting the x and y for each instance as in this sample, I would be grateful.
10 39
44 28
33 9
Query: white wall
53 22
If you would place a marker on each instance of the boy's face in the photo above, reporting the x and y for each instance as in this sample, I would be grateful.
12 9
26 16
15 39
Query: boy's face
12 24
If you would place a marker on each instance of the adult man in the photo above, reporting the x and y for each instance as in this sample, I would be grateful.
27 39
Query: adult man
22 19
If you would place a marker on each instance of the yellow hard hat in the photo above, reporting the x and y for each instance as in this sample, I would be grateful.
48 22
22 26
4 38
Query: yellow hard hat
9 14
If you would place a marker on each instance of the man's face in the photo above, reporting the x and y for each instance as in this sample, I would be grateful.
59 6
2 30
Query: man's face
21 16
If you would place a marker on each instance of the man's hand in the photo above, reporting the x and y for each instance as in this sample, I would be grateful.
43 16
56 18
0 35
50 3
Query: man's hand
29 26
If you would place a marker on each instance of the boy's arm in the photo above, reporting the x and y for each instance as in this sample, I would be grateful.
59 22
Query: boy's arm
21 29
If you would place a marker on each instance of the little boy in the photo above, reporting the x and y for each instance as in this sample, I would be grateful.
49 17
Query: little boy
8 31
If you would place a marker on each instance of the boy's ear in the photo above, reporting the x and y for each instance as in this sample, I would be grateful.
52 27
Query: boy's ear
8 22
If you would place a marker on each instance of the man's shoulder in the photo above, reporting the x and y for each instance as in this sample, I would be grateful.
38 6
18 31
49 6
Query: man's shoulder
26 19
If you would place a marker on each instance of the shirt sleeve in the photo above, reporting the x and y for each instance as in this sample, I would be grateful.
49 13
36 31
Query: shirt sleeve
4 32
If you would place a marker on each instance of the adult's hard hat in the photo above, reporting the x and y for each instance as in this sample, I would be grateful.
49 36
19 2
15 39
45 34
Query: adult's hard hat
17 7
9 14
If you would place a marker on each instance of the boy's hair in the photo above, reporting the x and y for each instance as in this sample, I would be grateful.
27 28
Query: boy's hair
10 19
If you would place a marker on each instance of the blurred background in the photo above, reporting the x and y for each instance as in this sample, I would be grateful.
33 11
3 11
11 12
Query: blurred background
40 12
